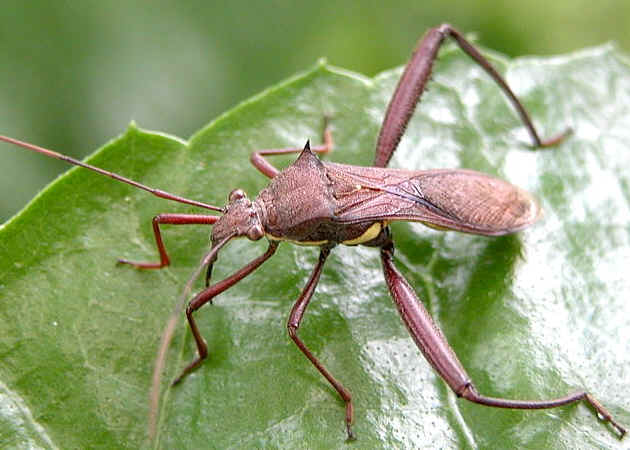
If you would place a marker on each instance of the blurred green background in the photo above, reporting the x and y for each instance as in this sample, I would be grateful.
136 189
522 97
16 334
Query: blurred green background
75 73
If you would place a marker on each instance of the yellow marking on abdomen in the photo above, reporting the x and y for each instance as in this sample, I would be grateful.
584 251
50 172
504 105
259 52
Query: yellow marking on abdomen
436 227
271 237
367 235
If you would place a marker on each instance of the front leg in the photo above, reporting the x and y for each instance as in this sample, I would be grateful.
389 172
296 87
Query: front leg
413 82
438 352
169 219
206 296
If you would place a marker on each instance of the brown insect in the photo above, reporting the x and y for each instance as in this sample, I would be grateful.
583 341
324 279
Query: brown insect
325 204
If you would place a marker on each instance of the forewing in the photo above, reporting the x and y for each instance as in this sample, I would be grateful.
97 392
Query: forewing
456 199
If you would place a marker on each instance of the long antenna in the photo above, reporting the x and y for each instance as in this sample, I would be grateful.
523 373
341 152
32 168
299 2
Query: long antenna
156 192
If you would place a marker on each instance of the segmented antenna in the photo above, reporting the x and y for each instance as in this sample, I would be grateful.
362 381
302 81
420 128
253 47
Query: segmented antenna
156 192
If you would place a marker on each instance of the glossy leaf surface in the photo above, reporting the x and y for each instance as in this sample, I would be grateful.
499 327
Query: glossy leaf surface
532 315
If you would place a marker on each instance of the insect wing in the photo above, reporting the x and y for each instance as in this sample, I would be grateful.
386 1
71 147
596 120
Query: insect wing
454 199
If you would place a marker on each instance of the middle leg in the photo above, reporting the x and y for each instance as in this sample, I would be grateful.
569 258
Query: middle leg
260 162
297 314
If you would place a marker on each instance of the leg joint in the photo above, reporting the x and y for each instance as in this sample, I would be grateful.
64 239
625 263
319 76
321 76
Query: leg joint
292 329
466 390
445 28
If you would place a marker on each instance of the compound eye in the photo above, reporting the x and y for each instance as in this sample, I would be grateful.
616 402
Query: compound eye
255 232
236 194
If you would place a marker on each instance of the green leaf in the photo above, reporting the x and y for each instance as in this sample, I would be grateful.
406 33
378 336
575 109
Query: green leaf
534 315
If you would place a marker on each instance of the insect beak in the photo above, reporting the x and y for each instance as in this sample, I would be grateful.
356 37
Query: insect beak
211 257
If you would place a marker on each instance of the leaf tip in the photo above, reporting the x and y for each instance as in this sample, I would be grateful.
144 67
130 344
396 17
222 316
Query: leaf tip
321 62
132 127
